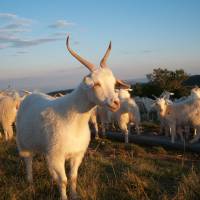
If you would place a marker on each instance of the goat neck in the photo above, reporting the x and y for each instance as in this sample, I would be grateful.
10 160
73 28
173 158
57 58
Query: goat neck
76 102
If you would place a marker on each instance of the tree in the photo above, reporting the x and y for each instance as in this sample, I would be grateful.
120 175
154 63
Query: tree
164 79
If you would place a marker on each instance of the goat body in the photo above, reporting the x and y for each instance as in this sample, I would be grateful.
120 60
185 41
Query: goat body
58 127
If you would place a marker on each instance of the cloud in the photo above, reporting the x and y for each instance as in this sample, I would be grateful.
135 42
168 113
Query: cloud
13 41
14 24
10 32
8 16
13 31
61 24
13 27
33 42
6 38
14 18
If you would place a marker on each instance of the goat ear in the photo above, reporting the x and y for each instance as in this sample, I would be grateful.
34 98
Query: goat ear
122 85
89 83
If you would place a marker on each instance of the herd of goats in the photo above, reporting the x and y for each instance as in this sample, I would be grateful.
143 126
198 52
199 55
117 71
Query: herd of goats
58 127
178 118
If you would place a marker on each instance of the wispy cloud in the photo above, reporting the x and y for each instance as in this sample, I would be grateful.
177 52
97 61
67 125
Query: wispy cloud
14 24
15 18
11 41
33 42
61 24
10 36
8 16
7 38
6 31
13 28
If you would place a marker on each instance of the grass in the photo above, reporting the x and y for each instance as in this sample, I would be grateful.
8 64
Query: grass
109 171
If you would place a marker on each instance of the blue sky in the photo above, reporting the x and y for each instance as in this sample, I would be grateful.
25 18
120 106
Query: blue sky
145 34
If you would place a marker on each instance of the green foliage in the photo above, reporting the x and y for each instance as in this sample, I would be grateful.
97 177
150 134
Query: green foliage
161 80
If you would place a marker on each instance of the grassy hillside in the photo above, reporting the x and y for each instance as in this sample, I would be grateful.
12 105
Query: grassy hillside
110 171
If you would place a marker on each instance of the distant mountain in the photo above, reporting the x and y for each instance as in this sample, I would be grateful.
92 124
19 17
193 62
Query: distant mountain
137 80
192 81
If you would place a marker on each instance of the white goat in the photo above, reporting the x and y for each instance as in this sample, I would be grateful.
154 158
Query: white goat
125 116
8 111
58 128
194 94
184 113
164 126
128 113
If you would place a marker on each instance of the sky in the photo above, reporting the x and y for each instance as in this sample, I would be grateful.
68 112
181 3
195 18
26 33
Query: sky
145 34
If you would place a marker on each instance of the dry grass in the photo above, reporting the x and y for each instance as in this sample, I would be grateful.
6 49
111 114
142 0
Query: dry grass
110 171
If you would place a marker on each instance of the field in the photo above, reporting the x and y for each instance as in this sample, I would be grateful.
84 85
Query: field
109 171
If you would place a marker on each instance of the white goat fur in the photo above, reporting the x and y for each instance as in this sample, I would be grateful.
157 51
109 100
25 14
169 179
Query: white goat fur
127 114
58 128
164 126
8 112
186 112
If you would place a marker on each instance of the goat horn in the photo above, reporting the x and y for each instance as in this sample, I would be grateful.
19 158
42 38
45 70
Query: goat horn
122 84
89 65
104 59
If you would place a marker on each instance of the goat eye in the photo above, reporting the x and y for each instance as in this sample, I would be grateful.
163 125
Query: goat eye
97 84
